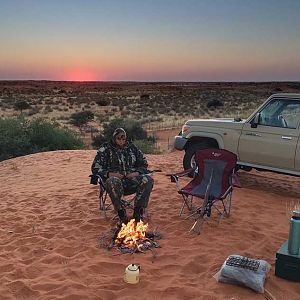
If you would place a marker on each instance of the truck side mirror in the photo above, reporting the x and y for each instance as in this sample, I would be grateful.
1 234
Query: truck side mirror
255 121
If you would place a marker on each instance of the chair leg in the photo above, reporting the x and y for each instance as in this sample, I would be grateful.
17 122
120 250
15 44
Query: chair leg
197 226
227 204
102 206
188 202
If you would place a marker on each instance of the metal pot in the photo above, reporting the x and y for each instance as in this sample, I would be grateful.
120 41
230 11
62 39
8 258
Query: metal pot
132 274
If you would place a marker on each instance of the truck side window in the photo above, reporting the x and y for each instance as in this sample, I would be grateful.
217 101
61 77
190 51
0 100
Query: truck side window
281 113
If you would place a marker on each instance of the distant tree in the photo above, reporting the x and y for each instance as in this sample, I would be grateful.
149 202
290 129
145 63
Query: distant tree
81 118
21 105
102 102
214 103
145 97
134 129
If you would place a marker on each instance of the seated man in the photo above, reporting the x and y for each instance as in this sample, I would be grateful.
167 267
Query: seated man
124 169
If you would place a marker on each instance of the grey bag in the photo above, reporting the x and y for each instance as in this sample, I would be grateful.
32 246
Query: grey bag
244 271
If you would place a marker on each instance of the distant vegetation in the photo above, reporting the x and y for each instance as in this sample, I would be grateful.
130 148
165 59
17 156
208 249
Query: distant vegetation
81 118
214 103
21 105
19 136
88 107
135 132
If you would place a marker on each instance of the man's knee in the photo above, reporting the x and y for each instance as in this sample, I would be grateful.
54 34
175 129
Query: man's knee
112 182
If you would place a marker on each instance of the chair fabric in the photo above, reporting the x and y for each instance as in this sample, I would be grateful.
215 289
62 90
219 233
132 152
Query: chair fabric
217 161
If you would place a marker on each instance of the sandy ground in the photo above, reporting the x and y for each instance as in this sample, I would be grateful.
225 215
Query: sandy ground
50 227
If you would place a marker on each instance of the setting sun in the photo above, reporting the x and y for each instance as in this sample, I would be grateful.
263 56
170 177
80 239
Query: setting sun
80 75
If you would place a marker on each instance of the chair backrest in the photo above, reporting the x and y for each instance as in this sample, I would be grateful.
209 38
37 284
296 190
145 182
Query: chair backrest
215 165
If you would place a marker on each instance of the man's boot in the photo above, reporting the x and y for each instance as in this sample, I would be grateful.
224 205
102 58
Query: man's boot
138 214
122 216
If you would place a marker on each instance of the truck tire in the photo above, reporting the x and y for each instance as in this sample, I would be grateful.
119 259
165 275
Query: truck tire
188 159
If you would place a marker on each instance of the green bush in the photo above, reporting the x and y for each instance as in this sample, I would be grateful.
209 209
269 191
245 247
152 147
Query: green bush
133 128
81 118
146 146
135 132
214 103
19 136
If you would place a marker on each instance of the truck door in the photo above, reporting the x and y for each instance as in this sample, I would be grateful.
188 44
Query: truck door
274 140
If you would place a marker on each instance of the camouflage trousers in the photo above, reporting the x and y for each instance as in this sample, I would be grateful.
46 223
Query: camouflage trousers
140 185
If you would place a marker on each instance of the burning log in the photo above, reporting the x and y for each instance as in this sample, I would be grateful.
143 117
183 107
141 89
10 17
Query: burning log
133 237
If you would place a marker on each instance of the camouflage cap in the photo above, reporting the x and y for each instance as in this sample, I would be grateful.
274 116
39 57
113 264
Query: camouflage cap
118 131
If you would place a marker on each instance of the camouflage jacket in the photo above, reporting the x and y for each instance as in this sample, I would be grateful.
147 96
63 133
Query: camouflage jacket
109 158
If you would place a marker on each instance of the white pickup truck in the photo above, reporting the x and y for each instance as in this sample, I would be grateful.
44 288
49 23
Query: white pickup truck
268 140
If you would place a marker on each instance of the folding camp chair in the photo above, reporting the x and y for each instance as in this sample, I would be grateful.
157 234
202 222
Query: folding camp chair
103 206
127 202
212 183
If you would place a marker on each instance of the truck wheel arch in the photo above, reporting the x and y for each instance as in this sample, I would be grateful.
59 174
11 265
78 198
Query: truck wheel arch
194 145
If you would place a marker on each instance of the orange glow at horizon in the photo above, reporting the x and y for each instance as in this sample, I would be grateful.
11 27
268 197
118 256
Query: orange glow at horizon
79 74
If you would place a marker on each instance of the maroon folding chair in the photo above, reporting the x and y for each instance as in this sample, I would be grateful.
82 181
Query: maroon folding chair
212 183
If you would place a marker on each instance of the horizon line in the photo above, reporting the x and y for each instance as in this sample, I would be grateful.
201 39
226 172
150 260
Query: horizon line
137 81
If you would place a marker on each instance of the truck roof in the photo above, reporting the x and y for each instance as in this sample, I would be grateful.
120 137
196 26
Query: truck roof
286 95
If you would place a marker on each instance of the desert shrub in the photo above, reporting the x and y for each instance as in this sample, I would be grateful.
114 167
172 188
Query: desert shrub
19 136
214 103
102 102
21 105
87 106
81 118
33 111
133 128
48 109
145 97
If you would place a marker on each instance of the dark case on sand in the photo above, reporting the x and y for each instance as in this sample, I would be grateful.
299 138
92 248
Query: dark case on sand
287 266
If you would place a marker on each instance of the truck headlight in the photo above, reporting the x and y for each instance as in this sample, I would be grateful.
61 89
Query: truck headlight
185 129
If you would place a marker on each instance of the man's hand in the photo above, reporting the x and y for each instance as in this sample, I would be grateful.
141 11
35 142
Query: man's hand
115 174
133 174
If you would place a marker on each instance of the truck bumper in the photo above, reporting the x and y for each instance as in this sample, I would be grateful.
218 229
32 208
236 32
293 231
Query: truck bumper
179 142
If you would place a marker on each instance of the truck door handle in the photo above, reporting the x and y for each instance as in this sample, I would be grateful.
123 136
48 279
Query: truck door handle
286 137
253 134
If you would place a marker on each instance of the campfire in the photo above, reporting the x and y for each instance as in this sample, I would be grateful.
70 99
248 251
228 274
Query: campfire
133 237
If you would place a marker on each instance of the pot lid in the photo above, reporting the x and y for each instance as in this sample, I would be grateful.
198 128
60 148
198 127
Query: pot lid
296 213
133 267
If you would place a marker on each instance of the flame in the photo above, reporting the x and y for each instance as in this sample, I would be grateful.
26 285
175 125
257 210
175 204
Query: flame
131 234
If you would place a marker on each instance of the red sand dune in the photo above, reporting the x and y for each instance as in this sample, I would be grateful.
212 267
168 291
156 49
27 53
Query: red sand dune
50 228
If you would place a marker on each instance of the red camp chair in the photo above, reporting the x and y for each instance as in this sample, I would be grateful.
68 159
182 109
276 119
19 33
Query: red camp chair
213 182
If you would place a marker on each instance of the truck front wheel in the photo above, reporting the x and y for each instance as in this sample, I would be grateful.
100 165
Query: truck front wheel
188 159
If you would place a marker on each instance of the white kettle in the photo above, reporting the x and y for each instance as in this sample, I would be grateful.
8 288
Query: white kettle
132 274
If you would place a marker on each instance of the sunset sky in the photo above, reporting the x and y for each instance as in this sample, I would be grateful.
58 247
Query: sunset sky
150 40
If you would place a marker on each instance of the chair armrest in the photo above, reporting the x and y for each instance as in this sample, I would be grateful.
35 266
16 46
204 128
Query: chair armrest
94 179
181 174
175 177
155 171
